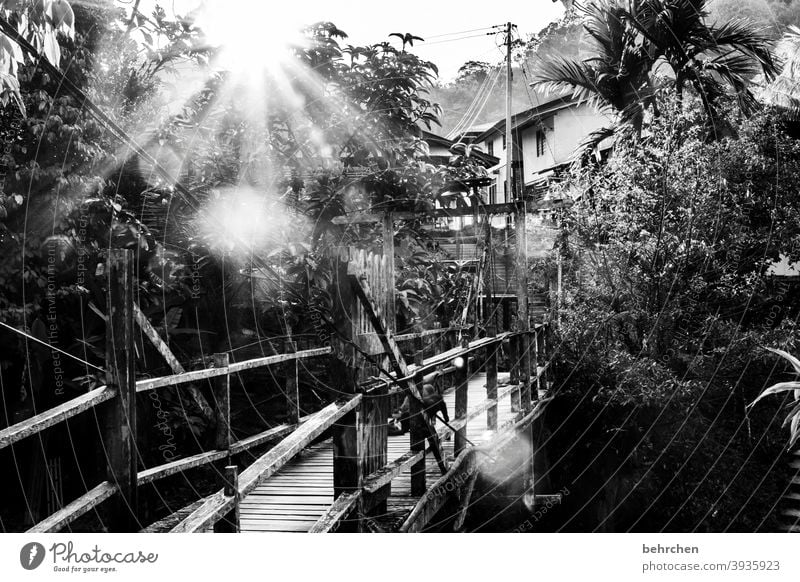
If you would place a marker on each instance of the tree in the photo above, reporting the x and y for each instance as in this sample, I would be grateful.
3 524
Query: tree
634 38
784 91
662 329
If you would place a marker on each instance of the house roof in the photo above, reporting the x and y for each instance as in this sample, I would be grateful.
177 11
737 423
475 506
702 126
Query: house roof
545 103
485 159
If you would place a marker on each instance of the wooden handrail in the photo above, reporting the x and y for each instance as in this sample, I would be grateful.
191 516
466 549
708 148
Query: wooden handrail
74 510
48 418
217 504
467 462
195 375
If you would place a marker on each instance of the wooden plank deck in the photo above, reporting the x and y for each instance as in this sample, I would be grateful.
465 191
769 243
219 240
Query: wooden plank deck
295 497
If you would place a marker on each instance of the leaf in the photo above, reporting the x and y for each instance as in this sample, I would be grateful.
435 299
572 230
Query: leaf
776 389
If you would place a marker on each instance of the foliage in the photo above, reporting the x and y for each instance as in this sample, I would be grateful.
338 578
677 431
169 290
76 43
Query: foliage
793 416
668 300
641 46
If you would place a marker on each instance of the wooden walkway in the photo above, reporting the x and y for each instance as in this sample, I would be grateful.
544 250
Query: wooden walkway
295 497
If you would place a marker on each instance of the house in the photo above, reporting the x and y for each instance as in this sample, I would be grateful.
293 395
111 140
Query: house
545 136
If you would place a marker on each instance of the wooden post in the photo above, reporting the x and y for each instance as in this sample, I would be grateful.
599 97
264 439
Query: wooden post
419 350
462 392
230 523
388 252
222 397
491 383
374 444
525 371
120 412
417 442
513 344
346 466
221 386
536 383
291 386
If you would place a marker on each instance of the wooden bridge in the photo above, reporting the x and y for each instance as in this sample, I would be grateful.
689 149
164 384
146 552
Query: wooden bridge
335 469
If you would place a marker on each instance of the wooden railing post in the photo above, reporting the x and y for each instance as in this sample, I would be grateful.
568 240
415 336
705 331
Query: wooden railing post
513 358
229 523
491 382
525 371
536 381
120 412
417 436
291 386
374 445
221 385
223 438
462 394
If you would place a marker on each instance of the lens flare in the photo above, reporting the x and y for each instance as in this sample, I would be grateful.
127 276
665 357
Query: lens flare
253 36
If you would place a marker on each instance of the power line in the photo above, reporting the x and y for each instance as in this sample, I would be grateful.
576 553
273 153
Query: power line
455 39
460 32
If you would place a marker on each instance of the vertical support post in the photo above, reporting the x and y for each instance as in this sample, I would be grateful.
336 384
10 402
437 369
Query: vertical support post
491 383
229 523
462 394
419 350
346 458
120 412
222 398
374 441
542 356
223 438
536 383
417 435
291 386
513 357
388 252
525 371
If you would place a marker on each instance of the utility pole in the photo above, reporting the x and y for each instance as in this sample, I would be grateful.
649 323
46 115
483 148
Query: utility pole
523 346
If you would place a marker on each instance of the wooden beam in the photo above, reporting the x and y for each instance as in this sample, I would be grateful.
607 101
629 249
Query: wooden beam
195 375
180 465
280 454
119 426
51 417
336 513
206 515
372 310
500 208
74 510
152 334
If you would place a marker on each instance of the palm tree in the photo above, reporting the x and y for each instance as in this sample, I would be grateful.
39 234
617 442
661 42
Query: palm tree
784 91
616 77
711 57
634 38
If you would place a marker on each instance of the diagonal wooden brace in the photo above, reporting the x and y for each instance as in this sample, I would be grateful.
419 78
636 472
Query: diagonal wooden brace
361 288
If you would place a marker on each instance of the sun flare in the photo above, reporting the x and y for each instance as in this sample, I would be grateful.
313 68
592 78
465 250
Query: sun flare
252 36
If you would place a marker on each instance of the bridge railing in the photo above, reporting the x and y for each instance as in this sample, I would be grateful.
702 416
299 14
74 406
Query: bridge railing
114 403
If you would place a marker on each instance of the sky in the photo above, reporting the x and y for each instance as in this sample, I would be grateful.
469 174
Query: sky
368 22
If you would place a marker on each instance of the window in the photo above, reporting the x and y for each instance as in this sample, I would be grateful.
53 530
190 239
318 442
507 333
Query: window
493 194
541 143
490 147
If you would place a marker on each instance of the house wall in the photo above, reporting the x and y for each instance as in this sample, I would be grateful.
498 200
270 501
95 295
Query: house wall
564 131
